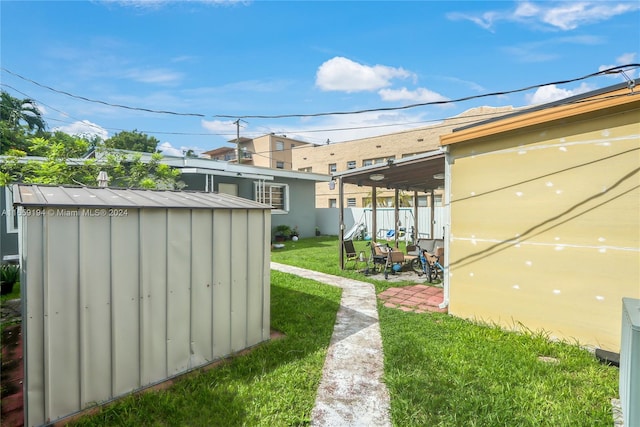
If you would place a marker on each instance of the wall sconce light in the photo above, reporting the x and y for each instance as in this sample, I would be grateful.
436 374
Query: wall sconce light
438 176
376 177
332 185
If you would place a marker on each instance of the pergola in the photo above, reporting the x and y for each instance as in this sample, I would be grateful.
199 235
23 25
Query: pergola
420 173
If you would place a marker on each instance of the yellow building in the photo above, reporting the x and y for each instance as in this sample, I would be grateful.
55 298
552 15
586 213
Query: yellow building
545 217
268 151
342 156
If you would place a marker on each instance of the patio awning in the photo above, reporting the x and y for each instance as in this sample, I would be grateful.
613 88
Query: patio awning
422 172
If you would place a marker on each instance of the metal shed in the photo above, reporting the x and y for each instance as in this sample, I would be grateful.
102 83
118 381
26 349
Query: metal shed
124 289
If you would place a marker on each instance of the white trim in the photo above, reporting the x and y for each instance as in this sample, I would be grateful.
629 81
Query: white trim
263 194
10 211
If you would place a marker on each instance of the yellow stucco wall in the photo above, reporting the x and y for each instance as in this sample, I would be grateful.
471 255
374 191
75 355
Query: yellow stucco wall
545 228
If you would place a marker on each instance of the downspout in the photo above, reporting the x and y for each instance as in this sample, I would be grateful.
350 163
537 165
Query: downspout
396 217
447 224
341 221
374 213
415 235
433 213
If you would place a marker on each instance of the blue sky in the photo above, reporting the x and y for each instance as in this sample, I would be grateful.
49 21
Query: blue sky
210 59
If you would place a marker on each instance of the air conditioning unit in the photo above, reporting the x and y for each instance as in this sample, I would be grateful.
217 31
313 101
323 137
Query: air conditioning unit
630 362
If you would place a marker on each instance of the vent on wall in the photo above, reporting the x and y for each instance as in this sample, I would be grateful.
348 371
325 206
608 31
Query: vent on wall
630 362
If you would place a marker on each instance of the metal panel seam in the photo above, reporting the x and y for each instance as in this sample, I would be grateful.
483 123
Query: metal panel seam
247 284
140 294
231 285
212 279
81 318
111 311
166 293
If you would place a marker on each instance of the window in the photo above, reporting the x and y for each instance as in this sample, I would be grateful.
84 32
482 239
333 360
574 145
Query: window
422 201
385 202
438 200
333 203
276 195
332 168
279 146
280 165
367 162
351 164
351 202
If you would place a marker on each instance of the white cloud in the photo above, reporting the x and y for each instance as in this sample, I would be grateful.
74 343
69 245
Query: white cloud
417 95
563 16
342 74
84 128
540 50
571 15
155 76
624 59
485 20
168 150
157 4
219 126
552 93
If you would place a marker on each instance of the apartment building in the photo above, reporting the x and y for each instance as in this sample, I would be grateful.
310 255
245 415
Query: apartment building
269 151
341 156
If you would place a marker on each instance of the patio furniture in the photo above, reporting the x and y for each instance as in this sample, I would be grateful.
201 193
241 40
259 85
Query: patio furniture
351 254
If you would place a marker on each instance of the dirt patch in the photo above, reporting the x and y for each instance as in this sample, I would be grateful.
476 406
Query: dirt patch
12 414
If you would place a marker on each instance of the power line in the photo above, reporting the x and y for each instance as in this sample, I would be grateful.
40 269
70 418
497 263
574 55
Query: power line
229 134
97 101
612 70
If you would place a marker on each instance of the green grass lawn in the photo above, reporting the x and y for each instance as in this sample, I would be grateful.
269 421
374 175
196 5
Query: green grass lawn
15 293
440 370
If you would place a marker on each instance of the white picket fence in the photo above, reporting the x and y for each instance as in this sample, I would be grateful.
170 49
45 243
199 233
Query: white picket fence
327 220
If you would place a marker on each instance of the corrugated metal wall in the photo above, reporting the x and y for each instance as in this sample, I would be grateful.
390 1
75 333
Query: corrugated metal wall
328 222
115 304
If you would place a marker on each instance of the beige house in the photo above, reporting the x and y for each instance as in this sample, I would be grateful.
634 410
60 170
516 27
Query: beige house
269 151
342 156
545 217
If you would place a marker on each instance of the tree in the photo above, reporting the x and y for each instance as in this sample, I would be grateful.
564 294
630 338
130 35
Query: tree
19 119
133 141
18 112
58 167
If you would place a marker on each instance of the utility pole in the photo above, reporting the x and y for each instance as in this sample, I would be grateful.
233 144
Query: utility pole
237 123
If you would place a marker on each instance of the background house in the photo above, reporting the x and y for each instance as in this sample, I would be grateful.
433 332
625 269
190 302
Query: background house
544 214
269 151
378 150
290 193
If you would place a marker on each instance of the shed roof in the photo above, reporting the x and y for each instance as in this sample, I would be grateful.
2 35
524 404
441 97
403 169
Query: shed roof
76 197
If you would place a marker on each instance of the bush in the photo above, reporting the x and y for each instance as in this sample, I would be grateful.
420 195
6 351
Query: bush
9 273
283 230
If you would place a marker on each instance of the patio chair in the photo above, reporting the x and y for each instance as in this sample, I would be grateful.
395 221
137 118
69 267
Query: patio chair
386 258
351 254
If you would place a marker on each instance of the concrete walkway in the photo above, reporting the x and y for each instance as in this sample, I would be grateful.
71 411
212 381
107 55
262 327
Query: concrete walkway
351 391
